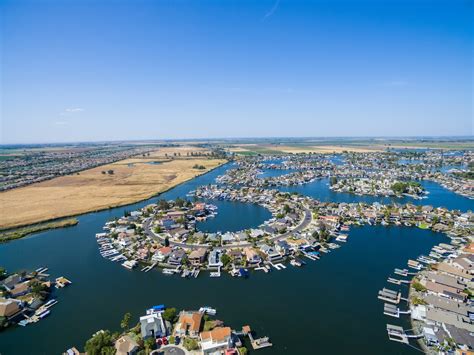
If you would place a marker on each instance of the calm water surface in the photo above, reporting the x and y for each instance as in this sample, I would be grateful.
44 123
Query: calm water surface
328 304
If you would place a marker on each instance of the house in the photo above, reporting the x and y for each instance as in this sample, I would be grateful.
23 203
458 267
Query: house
20 289
257 233
453 270
175 215
176 257
161 254
216 341
252 256
235 254
446 280
439 316
9 307
152 325
228 237
11 281
198 256
282 247
271 253
125 345
189 324
242 236
179 233
215 258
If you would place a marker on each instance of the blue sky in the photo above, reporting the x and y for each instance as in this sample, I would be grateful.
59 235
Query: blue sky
113 70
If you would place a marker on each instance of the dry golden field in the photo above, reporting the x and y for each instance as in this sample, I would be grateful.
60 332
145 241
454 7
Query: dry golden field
133 180
294 149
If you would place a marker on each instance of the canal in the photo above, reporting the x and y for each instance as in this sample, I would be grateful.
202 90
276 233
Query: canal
328 305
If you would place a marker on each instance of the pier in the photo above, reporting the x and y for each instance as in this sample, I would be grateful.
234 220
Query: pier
389 296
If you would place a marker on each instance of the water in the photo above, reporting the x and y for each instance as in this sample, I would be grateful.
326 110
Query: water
438 196
234 216
328 304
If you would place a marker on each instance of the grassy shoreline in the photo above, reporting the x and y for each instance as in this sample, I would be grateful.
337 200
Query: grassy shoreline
20 232
93 210
94 191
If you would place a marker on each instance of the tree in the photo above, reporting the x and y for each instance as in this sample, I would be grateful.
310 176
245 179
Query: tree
150 344
179 202
163 205
190 344
125 321
167 242
100 344
333 180
3 273
170 314
225 259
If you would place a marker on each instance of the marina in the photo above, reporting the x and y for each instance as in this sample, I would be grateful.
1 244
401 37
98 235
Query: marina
397 243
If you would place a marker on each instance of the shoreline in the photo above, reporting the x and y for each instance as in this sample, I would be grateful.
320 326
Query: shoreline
94 210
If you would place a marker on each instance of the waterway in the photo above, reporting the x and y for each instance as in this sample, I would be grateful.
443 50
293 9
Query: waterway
328 304
438 196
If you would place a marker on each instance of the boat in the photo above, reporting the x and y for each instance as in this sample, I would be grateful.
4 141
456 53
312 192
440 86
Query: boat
168 271
208 310
296 262
43 314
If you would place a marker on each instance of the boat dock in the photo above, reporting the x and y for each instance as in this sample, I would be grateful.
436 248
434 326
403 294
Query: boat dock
149 267
62 282
259 343
264 268
389 296
216 273
396 333
393 311
397 281
414 265
278 266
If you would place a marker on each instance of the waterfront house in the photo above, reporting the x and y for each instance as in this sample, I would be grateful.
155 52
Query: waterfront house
256 233
282 247
271 253
9 307
176 257
242 236
161 254
252 256
197 257
216 341
215 258
11 281
445 280
213 237
189 324
449 268
235 254
175 215
439 316
125 345
228 237
20 289
152 325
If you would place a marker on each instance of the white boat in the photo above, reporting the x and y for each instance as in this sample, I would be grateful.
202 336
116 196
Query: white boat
208 310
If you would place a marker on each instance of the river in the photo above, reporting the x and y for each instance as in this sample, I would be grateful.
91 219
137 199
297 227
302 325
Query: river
328 305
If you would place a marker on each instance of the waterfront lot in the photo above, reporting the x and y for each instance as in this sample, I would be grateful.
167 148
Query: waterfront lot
132 180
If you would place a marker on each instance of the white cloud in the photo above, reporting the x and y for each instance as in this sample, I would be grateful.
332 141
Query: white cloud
271 11
71 111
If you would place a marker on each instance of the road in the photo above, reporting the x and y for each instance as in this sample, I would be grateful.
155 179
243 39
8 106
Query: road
303 224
